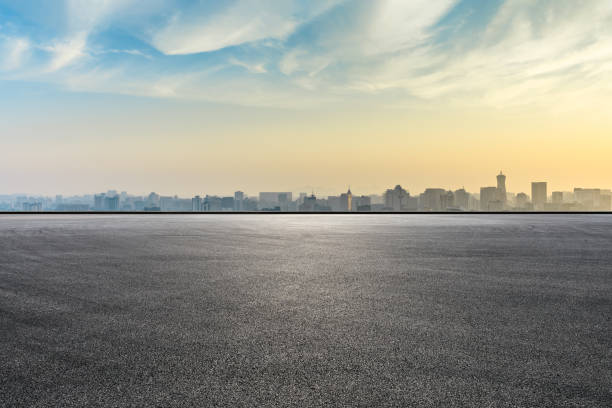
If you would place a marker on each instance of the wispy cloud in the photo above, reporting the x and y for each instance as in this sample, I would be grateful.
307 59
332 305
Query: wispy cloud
542 52
66 52
13 51
244 21
256 68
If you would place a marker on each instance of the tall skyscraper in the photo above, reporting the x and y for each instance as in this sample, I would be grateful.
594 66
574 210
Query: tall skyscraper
462 199
539 194
488 195
196 204
501 188
238 201
395 199
346 201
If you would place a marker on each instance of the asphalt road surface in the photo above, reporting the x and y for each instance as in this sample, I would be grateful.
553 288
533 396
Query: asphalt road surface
306 310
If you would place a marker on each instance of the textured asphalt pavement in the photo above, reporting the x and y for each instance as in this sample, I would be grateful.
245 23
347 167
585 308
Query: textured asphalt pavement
272 310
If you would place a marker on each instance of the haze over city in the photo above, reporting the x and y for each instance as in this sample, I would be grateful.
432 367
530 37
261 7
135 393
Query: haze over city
181 97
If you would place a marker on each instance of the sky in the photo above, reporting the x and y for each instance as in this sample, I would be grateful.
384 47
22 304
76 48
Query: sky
208 97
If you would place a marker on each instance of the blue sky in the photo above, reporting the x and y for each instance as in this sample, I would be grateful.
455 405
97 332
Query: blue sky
287 53
97 77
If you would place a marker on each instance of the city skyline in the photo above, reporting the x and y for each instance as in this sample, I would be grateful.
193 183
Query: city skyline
182 96
397 199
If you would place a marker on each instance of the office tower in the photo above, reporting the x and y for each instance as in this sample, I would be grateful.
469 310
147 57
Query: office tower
362 204
111 203
539 195
346 201
447 201
152 201
99 201
395 199
283 202
227 204
433 199
271 200
309 204
488 195
557 197
462 199
588 198
196 204
334 203
212 203
238 201
501 188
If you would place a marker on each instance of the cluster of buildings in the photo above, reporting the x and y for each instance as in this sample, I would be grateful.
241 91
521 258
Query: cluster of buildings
491 199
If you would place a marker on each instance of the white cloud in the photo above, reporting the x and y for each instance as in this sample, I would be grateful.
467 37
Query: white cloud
67 51
399 24
83 17
14 51
532 52
243 22
256 68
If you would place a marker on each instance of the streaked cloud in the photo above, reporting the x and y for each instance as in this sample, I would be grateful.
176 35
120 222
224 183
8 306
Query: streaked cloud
13 51
541 52
66 52
242 21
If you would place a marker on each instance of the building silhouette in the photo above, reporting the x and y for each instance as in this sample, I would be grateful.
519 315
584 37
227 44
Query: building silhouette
539 195
488 198
501 189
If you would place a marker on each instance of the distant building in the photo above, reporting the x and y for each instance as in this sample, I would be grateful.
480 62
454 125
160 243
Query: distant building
346 201
334 203
196 204
488 197
501 189
32 207
521 201
227 204
249 204
99 201
539 195
462 199
271 200
238 201
361 204
309 204
557 197
435 199
111 203
284 200
396 199
152 200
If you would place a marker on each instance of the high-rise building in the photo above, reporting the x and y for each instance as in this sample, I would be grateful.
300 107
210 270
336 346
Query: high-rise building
346 201
488 196
271 200
462 199
557 197
238 201
196 204
111 203
539 195
361 204
395 199
309 204
501 189
434 199
227 204
99 201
